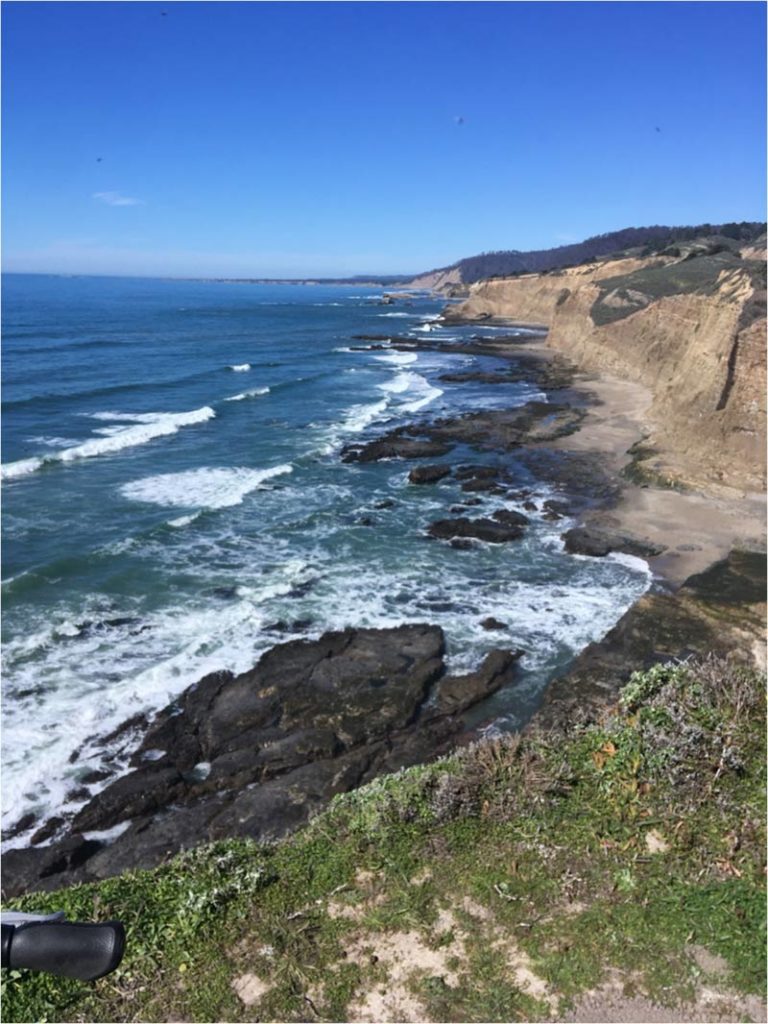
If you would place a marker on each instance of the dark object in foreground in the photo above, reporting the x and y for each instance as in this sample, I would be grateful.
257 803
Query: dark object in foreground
64 948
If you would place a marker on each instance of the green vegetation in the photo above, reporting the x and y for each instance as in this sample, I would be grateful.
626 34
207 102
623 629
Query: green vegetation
697 272
516 873
614 244
639 470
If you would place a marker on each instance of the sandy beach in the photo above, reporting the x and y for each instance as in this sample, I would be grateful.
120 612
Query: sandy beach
697 528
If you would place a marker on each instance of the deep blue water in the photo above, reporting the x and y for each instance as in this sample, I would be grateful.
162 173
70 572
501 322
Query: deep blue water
172 478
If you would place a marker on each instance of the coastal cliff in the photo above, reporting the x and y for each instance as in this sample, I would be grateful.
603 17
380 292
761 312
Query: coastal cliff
690 325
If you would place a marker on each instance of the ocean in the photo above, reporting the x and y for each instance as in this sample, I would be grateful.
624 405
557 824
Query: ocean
173 495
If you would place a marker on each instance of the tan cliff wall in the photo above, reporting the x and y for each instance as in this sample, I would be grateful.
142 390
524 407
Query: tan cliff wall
706 371
438 280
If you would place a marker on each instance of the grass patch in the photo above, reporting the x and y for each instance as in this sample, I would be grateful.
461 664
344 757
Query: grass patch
697 273
533 868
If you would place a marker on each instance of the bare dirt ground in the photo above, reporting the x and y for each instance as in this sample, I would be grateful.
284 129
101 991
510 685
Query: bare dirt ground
394 962
712 1006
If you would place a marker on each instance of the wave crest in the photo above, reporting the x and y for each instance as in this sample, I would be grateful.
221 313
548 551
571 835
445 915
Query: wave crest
200 488
146 427
253 393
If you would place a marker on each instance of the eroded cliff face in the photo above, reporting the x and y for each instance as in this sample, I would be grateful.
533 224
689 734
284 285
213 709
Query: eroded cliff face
692 330
438 280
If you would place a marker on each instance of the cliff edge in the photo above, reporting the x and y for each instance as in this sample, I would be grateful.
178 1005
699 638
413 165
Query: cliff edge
689 323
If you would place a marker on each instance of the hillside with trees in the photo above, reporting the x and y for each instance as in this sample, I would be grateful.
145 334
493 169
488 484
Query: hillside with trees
507 262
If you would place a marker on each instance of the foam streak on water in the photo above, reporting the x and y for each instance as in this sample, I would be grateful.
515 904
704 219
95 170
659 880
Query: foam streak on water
253 393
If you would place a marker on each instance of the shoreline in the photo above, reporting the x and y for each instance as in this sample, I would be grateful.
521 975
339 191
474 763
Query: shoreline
698 528
604 418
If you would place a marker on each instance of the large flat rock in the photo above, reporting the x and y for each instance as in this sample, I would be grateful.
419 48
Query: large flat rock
256 754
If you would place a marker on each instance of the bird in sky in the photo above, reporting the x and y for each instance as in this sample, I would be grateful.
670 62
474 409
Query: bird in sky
658 130
459 120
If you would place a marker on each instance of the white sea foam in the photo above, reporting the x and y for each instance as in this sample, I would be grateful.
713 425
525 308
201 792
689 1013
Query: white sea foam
360 416
631 562
253 393
426 394
127 417
399 383
118 675
183 521
363 348
108 835
355 419
412 387
22 467
407 383
398 358
240 367
409 315
147 426
200 488
52 442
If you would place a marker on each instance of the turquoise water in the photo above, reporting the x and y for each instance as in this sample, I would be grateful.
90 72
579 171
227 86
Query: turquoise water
172 488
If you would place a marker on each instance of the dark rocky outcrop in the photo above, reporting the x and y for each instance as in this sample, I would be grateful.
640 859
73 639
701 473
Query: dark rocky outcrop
492 623
428 474
508 429
480 486
501 430
395 446
476 473
457 693
477 377
256 754
490 530
507 517
560 508
583 476
582 540
719 611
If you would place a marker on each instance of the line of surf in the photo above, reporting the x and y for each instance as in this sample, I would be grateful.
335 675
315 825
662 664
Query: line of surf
144 427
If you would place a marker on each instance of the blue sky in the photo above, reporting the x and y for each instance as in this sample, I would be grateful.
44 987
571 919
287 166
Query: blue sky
289 139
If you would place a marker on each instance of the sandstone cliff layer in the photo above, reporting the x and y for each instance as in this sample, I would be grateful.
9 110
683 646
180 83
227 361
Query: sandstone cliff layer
689 326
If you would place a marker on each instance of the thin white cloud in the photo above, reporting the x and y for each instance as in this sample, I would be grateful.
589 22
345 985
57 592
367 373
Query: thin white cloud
116 199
